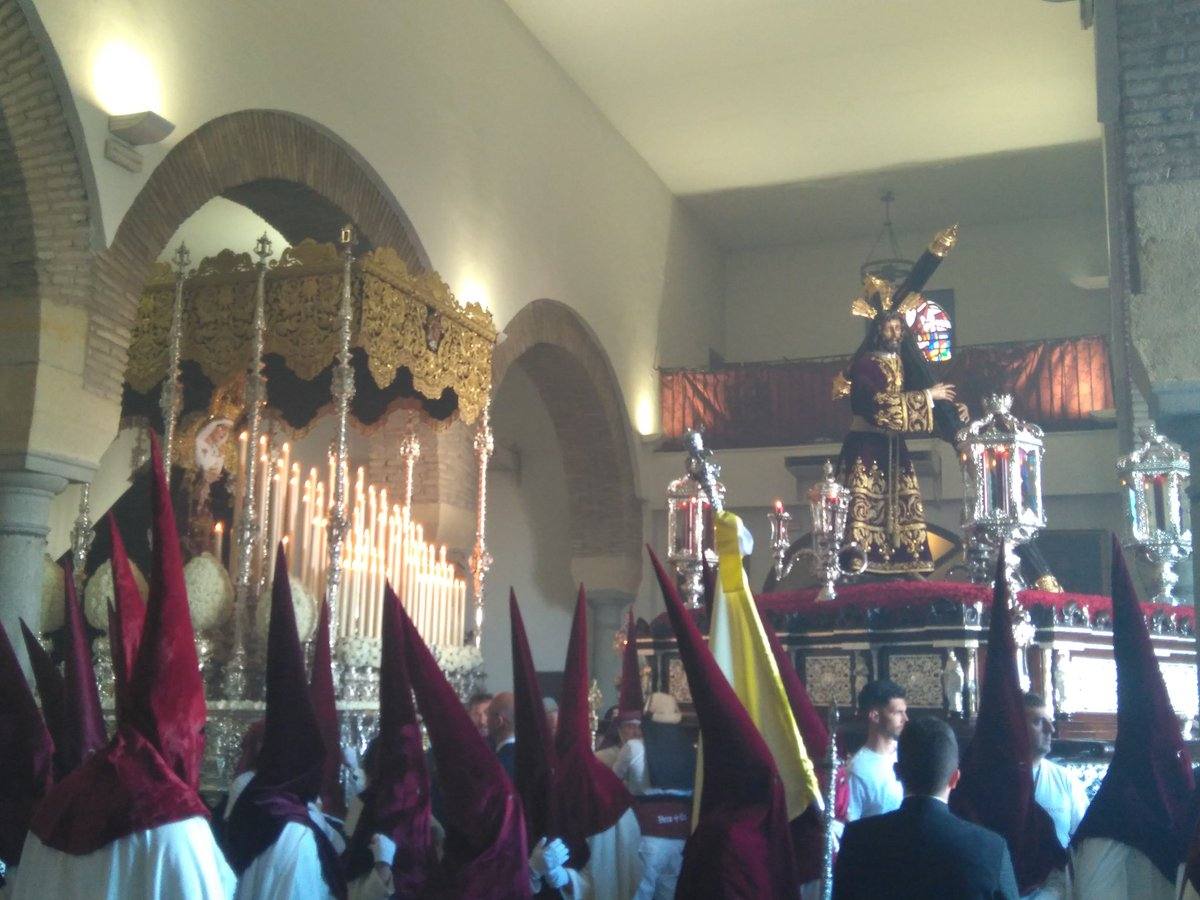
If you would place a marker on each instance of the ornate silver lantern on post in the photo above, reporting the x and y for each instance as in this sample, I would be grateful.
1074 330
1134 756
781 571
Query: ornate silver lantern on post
1001 460
1155 477
828 502
691 501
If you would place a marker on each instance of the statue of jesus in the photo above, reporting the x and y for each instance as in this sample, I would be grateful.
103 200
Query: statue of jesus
892 395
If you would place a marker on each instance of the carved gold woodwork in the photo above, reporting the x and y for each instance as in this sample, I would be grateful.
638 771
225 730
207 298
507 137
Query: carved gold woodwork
402 320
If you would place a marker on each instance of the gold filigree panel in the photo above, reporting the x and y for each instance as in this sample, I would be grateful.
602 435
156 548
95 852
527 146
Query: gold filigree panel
828 679
920 674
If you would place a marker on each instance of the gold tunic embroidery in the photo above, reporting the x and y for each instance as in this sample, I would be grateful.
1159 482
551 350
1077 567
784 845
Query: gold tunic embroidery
868 524
897 409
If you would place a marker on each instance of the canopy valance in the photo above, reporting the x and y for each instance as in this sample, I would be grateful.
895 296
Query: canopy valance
404 323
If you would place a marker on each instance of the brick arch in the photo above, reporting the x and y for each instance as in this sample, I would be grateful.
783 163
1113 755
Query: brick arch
49 218
576 382
296 172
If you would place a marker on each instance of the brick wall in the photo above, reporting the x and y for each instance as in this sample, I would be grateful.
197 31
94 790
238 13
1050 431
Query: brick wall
45 236
1159 56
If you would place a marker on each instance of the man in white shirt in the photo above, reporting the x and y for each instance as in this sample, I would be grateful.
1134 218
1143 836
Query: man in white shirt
871 772
1054 788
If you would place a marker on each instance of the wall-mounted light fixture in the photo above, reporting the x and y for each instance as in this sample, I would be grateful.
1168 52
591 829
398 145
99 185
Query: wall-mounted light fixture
127 133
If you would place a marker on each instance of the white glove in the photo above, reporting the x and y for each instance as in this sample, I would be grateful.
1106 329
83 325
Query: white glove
548 855
558 878
383 848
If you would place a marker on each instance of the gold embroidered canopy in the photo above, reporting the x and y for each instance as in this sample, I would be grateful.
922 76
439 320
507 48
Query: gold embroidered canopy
402 320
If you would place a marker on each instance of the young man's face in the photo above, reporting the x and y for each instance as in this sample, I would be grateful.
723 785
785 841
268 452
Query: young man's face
889 720
1041 730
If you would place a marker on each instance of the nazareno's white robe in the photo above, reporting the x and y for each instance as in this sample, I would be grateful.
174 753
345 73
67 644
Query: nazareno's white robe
614 868
289 869
180 859
1103 869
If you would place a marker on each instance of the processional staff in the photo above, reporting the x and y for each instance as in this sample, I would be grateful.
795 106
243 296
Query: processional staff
169 402
830 766
235 668
343 393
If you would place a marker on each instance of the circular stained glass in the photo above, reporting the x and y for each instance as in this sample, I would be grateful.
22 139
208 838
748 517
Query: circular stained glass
932 329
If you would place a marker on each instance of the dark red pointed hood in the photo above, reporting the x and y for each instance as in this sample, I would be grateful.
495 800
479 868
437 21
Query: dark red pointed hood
166 690
26 754
126 619
288 769
740 846
148 773
485 853
396 801
293 751
1143 800
996 788
85 720
535 756
630 702
589 796
52 689
324 701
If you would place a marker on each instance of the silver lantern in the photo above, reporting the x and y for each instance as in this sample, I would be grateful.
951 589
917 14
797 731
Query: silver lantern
1001 460
828 502
691 501
1155 477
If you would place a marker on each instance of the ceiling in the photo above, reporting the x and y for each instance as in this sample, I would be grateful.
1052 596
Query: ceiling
724 95
1046 182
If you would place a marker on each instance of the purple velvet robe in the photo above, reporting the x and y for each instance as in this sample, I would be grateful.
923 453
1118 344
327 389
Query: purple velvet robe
886 517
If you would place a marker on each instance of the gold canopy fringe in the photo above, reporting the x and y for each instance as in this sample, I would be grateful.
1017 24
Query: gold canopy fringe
402 320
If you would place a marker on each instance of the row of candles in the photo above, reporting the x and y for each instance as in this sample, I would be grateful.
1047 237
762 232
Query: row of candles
384 545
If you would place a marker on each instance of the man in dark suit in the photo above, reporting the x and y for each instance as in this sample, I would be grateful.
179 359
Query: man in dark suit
922 849
501 731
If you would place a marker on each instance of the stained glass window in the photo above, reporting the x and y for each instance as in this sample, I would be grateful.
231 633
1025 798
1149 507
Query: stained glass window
932 328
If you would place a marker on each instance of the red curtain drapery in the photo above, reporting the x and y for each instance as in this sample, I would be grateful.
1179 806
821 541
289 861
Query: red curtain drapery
1056 384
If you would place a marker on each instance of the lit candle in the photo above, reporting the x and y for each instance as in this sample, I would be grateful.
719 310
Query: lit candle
293 502
306 531
239 500
218 539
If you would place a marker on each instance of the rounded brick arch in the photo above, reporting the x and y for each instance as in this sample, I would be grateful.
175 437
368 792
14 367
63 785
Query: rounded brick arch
576 382
293 171
49 221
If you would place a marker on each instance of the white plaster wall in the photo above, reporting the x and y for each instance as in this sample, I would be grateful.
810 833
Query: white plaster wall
528 533
1011 283
218 225
516 185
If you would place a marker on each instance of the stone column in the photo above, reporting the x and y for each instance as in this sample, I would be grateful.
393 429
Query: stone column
24 523
1148 88
607 608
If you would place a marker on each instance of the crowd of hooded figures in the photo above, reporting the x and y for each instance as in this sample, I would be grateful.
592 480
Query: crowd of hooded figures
512 795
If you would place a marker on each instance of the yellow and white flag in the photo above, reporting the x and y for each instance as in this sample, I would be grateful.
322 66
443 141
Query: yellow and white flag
739 645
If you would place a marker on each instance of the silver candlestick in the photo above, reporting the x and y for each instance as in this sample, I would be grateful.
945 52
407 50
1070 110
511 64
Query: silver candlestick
828 502
82 537
692 499
343 393
1001 460
410 452
234 681
1155 478
171 397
